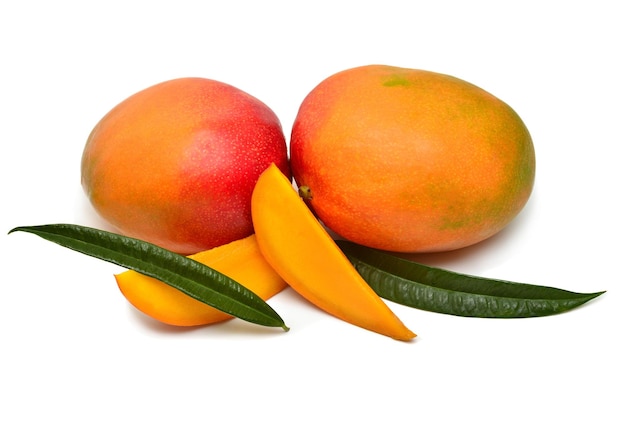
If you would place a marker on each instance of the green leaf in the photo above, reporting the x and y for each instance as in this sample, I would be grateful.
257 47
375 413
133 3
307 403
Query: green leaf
189 276
442 291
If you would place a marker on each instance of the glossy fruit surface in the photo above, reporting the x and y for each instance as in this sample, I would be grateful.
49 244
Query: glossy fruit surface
175 164
409 160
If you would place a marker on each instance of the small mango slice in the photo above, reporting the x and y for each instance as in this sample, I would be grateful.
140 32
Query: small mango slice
240 260
298 247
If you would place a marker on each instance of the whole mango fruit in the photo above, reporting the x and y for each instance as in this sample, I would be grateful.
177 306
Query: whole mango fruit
175 164
409 160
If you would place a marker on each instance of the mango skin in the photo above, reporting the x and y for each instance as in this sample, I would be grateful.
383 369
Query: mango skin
175 164
409 160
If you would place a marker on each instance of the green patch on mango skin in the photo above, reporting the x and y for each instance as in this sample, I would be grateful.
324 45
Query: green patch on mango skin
396 80
482 211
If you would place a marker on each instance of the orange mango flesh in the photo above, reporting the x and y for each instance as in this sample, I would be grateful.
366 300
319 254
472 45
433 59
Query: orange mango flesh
241 260
298 247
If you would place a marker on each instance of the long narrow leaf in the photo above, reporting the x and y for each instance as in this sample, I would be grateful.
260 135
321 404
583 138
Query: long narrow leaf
189 276
443 291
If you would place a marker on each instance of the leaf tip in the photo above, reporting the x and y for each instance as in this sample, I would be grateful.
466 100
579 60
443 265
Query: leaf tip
13 230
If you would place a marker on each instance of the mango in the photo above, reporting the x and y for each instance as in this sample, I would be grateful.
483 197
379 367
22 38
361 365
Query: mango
409 160
302 252
175 164
240 260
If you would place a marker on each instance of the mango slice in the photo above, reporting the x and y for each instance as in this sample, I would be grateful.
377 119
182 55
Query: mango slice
298 247
241 260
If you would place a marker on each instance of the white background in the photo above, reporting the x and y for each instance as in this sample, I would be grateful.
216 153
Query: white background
73 349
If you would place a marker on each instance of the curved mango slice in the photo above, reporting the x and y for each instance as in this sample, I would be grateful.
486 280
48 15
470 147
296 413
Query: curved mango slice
298 247
241 260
